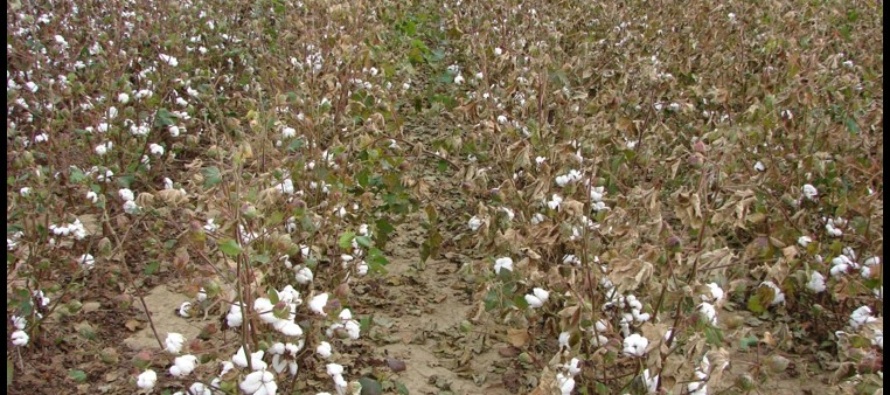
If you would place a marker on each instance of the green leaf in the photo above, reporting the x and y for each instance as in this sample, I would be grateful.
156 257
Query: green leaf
370 386
260 258
346 240
295 145
713 335
78 375
364 241
230 247
152 268
9 372
164 118
747 342
212 176
401 388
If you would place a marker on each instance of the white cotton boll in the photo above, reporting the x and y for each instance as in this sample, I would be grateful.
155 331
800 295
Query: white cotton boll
810 192
459 79
759 166
87 261
564 340
318 303
288 132
92 197
651 382
362 268
804 241
566 384
537 218
475 223
156 149
147 379
130 207
572 367
502 119
505 263
19 322
861 316
200 389
816 283
234 318
498 51
20 338
173 130
324 350
554 202
353 329
878 339
126 194
708 311
259 382
334 369
304 275
264 307
202 295
533 301
184 365
103 149
635 345
173 62
174 342
716 293
288 328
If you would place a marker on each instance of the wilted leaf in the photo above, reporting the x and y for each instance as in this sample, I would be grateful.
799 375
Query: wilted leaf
396 365
517 337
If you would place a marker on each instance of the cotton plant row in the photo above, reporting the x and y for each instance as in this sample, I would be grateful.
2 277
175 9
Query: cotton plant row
260 372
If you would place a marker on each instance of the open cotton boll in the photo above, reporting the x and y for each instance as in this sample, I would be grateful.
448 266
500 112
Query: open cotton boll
234 318
861 316
475 223
200 389
256 359
810 192
20 338
537 299
635 345
147 379
304 275
174 342
566 384
505 263
260 382
288 328
716 293
708 311
324 350
318 303
183 365
816 283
